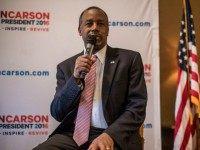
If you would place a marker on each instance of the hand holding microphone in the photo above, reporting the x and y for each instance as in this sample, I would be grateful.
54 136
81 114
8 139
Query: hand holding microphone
83 63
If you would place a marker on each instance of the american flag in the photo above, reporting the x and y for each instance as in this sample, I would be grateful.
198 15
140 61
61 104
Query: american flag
187 96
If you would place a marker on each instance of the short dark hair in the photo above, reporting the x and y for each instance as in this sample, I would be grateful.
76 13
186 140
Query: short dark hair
89 8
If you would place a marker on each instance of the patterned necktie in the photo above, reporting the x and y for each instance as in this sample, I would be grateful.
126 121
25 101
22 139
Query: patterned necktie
82 126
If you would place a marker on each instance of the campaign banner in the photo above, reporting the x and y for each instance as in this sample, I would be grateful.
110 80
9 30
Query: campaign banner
36 35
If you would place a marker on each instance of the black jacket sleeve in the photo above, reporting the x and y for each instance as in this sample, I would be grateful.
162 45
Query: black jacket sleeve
66 96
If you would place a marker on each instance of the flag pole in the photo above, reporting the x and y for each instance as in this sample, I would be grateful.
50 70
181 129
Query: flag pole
186 25
187 49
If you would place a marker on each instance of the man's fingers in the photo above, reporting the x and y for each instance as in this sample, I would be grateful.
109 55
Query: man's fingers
101 146
102 142
83 69
84 58
93 58
79 70
83 64
93 146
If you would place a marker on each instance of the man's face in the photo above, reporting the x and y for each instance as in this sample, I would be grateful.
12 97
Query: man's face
96 21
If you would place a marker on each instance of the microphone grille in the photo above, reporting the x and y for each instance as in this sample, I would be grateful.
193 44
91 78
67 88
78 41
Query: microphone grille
92 38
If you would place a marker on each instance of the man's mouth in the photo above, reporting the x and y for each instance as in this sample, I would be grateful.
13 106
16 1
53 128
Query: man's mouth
98 40
94 38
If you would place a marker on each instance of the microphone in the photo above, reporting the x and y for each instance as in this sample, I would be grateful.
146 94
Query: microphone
91 41
88 49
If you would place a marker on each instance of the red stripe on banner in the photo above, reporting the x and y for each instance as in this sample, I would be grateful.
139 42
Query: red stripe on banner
193 56
194 93
194 75
186 136
180 110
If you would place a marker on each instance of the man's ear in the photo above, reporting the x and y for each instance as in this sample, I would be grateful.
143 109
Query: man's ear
108 32
79 31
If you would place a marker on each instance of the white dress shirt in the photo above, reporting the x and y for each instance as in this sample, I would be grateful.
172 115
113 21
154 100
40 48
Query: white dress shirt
98 119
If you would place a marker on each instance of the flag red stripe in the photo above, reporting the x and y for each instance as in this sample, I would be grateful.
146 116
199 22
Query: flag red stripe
194 93
193 56
186 136
181 109
194 75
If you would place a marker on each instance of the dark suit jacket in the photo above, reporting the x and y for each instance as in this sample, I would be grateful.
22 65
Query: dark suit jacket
124 96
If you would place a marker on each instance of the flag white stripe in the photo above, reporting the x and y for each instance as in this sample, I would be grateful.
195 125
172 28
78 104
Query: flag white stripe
181 85
185 117
193 66
194 85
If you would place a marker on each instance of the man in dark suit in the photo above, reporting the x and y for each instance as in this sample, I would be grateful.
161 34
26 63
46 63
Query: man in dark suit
119 99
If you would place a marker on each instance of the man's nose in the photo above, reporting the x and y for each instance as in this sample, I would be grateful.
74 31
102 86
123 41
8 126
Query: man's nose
95 26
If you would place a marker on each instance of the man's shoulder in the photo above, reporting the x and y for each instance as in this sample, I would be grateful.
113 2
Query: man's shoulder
125 52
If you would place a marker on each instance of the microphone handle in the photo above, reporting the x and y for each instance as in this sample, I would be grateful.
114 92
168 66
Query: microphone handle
88 51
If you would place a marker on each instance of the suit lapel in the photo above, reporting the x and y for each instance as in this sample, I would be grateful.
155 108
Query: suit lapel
111 63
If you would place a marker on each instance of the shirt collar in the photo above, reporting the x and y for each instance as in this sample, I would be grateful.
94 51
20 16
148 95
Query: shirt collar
101 54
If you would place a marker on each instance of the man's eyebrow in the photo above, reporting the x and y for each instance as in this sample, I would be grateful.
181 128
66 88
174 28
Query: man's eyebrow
101 20
89 20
